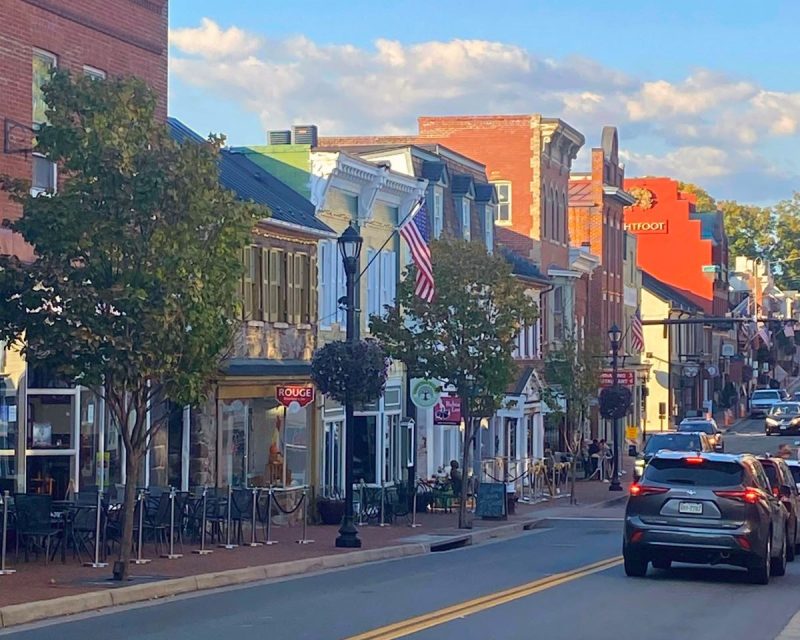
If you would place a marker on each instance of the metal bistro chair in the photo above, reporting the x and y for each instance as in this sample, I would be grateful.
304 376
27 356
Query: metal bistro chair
34 523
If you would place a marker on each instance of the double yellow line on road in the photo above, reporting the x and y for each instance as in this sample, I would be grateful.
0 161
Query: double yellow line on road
469 607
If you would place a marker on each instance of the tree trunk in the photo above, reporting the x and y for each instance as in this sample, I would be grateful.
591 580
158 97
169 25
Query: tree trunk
464 521
133 461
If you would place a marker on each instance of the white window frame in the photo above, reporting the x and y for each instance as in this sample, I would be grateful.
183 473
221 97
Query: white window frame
94 73
37 191
466 219
488 227
500 203
438 212
53 59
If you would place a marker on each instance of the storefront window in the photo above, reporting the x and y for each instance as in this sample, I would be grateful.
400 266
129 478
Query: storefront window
332 461
365 449
50 421
9 438
91 461
296 446
234 421
114 454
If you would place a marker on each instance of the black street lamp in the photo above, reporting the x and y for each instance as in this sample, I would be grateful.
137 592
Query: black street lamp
350 248
615 335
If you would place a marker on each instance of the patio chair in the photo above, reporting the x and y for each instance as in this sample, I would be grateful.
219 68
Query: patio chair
34 524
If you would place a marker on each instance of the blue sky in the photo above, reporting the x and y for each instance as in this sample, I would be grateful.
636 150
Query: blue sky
705 91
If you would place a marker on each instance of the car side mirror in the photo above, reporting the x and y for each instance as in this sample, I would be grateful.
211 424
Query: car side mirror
786 491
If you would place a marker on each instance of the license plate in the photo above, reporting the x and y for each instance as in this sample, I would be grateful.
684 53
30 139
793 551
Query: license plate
783 427
695 508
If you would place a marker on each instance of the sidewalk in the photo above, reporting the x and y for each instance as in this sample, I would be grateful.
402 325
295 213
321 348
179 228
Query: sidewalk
60 589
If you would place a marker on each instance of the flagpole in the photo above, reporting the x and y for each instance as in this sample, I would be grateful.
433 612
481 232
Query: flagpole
411 212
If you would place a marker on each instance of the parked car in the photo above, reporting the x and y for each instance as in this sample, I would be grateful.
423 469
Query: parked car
783 418
785 489
707 508
796 396
762 400
794 468
707 426
669 441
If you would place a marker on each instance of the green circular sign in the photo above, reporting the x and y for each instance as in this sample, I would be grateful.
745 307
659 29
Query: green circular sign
424 394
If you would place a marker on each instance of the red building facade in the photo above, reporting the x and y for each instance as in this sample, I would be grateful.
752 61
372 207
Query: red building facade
683 247
94 37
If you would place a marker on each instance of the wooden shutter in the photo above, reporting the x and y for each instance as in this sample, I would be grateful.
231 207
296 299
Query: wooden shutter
275 270
291 313
248 283
300 300
313 296
266 302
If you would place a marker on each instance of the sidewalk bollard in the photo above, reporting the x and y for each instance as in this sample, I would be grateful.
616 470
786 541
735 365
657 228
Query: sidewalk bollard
305 539
97 541
269 541
3 570
202 551
253 542
383 522
228 544
172 555
414 524
138 559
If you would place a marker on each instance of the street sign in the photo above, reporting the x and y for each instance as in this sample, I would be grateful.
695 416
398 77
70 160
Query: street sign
631 432
301 394
425 394
625 377
447 411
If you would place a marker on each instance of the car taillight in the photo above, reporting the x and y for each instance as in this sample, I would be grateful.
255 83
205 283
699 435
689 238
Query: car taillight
749 495
693 460
646 490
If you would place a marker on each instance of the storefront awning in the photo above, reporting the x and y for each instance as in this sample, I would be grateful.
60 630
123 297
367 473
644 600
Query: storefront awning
255 367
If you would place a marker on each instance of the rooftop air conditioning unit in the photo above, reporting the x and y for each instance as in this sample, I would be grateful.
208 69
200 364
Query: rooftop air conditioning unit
279 137
305 134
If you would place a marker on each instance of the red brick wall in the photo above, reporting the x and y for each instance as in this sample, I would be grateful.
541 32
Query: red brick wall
120 37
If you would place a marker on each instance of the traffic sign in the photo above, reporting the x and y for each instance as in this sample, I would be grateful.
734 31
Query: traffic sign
625 378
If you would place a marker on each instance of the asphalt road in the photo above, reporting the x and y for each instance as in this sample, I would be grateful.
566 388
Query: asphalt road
686 602
748 437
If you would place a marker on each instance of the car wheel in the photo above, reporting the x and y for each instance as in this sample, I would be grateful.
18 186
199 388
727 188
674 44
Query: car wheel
662 563
635 564
778 565
758 572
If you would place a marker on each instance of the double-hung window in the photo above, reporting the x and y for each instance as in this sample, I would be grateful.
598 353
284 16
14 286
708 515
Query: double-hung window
45 174
466 223
503 189
438 212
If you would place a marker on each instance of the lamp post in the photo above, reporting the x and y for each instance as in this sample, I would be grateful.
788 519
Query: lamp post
615 335
350 249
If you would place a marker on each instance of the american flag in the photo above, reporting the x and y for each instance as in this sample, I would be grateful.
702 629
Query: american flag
637 332
415 232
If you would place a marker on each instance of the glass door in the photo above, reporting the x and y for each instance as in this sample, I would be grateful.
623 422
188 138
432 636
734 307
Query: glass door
53 425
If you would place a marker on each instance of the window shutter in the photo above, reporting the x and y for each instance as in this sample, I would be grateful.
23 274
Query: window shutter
266 302
300 300
313 297
248 283
274 285
323 286
290 310
341 290
373 284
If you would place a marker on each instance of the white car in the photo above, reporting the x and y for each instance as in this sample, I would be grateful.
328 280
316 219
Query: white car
794 467
763 400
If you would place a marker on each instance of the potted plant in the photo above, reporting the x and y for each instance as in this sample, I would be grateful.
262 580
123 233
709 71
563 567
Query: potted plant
330 509
354 372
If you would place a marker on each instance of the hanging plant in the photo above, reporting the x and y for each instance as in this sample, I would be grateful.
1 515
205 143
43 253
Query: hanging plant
355 372
615 402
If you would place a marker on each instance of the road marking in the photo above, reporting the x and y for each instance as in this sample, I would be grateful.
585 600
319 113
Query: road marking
435 618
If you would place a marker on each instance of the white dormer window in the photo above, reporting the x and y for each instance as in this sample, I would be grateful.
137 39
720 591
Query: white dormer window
503 189
466 229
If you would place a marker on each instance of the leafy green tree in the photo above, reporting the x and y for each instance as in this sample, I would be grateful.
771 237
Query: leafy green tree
750 230
133 290
466 336
704 201
786 253
573 375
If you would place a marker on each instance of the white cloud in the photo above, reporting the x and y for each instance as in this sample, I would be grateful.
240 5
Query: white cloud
709 124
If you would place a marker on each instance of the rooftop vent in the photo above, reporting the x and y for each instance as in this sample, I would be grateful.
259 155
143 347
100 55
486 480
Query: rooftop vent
279 137
305 134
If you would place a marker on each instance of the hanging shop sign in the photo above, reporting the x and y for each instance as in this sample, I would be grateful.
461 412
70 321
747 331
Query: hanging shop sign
447 410
425 393
625 377
290 393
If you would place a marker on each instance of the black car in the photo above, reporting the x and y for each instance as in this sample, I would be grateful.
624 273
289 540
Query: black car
707 508
707 426
784 487
670 441
783 418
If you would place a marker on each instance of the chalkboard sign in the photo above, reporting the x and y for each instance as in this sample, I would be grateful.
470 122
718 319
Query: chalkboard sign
491 500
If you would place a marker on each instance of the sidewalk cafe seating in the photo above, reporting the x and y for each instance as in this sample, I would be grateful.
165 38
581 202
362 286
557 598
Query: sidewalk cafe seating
35 528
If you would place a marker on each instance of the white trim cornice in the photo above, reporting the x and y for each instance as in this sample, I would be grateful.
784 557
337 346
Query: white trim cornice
620 195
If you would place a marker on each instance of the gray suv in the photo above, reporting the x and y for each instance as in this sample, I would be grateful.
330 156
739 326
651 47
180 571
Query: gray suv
705 508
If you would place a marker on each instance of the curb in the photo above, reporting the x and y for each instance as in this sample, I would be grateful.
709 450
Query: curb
24 613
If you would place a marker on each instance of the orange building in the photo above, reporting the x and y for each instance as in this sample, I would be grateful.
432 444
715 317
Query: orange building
683 247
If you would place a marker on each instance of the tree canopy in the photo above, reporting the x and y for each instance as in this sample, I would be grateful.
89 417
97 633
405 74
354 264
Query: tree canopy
138 258
704 201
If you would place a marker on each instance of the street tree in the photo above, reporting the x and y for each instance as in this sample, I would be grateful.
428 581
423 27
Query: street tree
787 242
138 258
750 230
465 337
573 376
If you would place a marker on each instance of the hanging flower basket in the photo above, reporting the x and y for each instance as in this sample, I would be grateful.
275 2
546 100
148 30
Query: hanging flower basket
354 372
615 402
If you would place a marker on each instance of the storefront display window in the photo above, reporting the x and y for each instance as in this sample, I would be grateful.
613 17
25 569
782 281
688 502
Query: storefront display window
365 449
50 421
332 460
90 456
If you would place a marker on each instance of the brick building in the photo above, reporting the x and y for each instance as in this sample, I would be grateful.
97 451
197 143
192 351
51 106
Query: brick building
55 437
596 211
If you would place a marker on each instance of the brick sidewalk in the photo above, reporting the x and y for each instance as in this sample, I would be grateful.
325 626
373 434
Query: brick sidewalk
35 581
